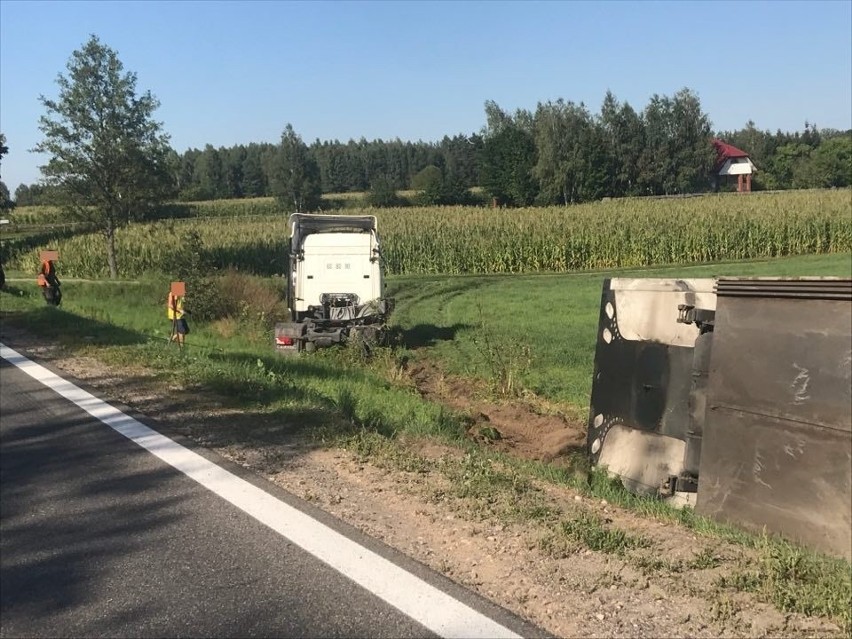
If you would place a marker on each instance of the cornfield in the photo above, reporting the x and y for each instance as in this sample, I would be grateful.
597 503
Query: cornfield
461 240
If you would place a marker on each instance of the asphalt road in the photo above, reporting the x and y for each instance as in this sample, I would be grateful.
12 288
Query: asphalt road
98 537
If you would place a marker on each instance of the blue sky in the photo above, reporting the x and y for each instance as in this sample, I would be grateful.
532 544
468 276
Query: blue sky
237 72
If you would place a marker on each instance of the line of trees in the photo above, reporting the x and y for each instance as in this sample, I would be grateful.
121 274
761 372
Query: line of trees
245 171
249 170
562 153
811 159
559 153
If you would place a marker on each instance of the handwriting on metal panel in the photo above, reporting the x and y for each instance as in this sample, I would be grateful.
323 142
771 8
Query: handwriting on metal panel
757 469
796 451
800 384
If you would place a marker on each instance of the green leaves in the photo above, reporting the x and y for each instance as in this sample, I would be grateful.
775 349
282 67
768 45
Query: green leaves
563 154
107 155
295 178
506 163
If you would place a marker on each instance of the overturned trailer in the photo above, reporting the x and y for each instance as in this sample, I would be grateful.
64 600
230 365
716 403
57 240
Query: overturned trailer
732 395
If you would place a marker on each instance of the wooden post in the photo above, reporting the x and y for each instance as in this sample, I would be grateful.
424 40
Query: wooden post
748 183
740 183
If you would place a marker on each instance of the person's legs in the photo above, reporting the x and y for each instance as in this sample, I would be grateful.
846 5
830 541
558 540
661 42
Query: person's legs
182 330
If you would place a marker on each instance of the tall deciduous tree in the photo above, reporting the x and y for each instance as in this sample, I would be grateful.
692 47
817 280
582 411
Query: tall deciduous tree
23 197
678 152
656 168
295 179
508 156
624 138
833 162
693 151
108 156
572 162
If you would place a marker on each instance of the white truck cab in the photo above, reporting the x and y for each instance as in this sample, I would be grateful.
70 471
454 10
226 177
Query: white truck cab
335 282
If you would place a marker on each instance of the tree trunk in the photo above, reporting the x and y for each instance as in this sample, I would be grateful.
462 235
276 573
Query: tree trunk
110 240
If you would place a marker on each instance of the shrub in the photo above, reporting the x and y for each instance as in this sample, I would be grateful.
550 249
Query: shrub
382 194
426 178
250 298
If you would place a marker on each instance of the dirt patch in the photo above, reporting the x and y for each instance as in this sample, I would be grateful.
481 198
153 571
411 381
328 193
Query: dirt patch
570 591
518 425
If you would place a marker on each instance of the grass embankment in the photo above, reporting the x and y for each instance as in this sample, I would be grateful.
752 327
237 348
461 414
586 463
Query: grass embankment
338 397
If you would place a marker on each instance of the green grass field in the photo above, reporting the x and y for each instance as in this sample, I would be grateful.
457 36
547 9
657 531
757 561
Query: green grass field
554 315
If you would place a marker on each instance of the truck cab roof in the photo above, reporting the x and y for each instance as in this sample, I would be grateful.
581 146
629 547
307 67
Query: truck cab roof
306 223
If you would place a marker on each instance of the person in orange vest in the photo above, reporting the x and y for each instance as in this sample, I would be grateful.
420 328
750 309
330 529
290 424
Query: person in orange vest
177 314
49 283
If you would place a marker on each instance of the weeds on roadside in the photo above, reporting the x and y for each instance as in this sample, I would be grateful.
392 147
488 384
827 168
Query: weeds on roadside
704 560
592 532
479 477
795 579
556 546
650 564
507 361
724 609
371 447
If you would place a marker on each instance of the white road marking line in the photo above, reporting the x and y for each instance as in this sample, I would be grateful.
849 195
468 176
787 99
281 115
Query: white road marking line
439 612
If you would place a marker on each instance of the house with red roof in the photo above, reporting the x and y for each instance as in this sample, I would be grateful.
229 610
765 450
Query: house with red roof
731 161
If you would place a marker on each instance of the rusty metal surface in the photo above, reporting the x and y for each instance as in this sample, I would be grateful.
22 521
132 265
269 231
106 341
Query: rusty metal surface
777 445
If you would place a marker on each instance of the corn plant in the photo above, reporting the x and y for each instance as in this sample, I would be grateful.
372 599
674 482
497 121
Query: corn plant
251 235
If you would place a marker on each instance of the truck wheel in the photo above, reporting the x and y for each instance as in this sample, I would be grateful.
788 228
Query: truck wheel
310 347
